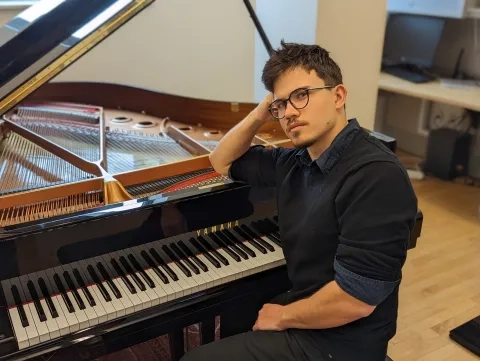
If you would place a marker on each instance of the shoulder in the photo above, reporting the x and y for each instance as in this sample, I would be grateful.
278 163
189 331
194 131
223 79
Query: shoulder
372 166
368 154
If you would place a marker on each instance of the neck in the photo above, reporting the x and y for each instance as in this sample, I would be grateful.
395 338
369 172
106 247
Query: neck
322 144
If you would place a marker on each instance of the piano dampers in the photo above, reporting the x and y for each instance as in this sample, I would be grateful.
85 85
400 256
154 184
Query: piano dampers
50 208
192 180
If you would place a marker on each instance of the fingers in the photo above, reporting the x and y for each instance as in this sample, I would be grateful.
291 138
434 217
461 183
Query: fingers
268 99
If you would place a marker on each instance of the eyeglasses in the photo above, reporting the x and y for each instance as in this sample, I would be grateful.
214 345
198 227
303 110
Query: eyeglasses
298 98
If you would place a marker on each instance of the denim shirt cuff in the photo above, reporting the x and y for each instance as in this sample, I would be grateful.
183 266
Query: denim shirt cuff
368 290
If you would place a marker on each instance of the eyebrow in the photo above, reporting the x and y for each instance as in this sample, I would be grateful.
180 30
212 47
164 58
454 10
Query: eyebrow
300 87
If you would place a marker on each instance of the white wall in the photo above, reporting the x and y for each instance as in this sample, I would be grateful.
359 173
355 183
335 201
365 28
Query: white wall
203 49
353 32
291 20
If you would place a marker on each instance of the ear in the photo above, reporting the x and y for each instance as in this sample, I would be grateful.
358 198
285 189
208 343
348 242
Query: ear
340 92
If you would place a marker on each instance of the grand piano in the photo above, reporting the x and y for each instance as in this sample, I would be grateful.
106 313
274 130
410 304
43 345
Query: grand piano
114 228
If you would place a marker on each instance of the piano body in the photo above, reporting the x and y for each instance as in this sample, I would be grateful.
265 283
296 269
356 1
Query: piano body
114 228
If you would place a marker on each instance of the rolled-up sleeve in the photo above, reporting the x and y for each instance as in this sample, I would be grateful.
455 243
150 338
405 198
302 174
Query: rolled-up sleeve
257 167
376 209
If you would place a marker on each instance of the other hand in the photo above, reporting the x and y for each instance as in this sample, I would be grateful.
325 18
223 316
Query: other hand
269 318
261 111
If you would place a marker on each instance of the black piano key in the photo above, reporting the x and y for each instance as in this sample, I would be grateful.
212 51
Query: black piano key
152 264
46 296
184 258
257 237
205 252
99 283
64 294
269 232
270 224
250 239
214 252
199 262
231 244
132 273
224 246
163 264
83 286
73 289
19 304
140 270
238 243
109 280
179 263
123 276
36 301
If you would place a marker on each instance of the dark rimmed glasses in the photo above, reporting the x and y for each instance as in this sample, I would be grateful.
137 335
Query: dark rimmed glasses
298 98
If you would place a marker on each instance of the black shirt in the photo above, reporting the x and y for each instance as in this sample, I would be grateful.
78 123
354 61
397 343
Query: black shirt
346 216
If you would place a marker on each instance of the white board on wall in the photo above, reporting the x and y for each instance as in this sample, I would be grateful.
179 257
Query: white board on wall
353 32
291 20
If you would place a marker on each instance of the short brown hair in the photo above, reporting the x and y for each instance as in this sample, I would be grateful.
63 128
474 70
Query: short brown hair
307 57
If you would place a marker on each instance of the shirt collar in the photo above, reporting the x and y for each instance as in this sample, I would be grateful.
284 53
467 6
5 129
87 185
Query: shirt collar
332 154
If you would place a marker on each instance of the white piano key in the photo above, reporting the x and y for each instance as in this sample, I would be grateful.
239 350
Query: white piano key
102 307
217 274
177 285
136 303
203 278
115 302
50 323
168 288
148 297
62 323
159 294
187 283
89 311
31 329
81 316
71 318
19 331
124 304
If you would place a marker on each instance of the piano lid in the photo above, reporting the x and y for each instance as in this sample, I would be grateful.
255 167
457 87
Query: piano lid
46 38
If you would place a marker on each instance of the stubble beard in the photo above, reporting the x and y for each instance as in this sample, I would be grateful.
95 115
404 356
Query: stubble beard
301 144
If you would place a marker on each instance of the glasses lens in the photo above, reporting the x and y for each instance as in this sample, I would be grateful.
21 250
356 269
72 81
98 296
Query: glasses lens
299 98
277 109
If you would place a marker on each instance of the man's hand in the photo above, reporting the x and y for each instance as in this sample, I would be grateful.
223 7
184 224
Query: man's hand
261 110
269 318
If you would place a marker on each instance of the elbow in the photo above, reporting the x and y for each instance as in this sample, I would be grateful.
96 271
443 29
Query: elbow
365 310
217 167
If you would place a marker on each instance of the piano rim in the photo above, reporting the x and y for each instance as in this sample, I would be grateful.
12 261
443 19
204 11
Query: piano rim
110 210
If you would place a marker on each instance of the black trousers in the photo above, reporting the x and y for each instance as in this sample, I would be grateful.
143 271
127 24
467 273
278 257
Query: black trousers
241 344
255 346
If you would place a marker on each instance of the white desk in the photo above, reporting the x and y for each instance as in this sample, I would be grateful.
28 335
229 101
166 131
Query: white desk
433 91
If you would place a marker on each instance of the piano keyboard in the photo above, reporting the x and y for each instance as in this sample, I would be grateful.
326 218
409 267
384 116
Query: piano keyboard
63 300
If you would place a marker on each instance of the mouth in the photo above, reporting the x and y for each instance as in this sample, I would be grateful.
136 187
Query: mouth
296 126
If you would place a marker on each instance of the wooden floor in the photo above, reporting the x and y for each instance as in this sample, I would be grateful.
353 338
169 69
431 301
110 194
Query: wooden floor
441 284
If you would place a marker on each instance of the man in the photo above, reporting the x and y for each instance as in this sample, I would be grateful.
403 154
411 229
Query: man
346 208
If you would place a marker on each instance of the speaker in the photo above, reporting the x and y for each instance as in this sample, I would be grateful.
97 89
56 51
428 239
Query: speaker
447 153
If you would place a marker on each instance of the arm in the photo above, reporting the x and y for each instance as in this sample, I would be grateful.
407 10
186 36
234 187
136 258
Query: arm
376 211
238 140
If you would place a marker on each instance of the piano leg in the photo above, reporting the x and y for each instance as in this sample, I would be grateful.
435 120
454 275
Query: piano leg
207 331
176 343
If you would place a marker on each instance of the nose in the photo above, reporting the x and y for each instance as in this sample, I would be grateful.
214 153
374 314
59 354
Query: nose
290 111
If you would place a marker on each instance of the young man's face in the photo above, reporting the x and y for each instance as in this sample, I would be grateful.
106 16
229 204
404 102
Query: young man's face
307 125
